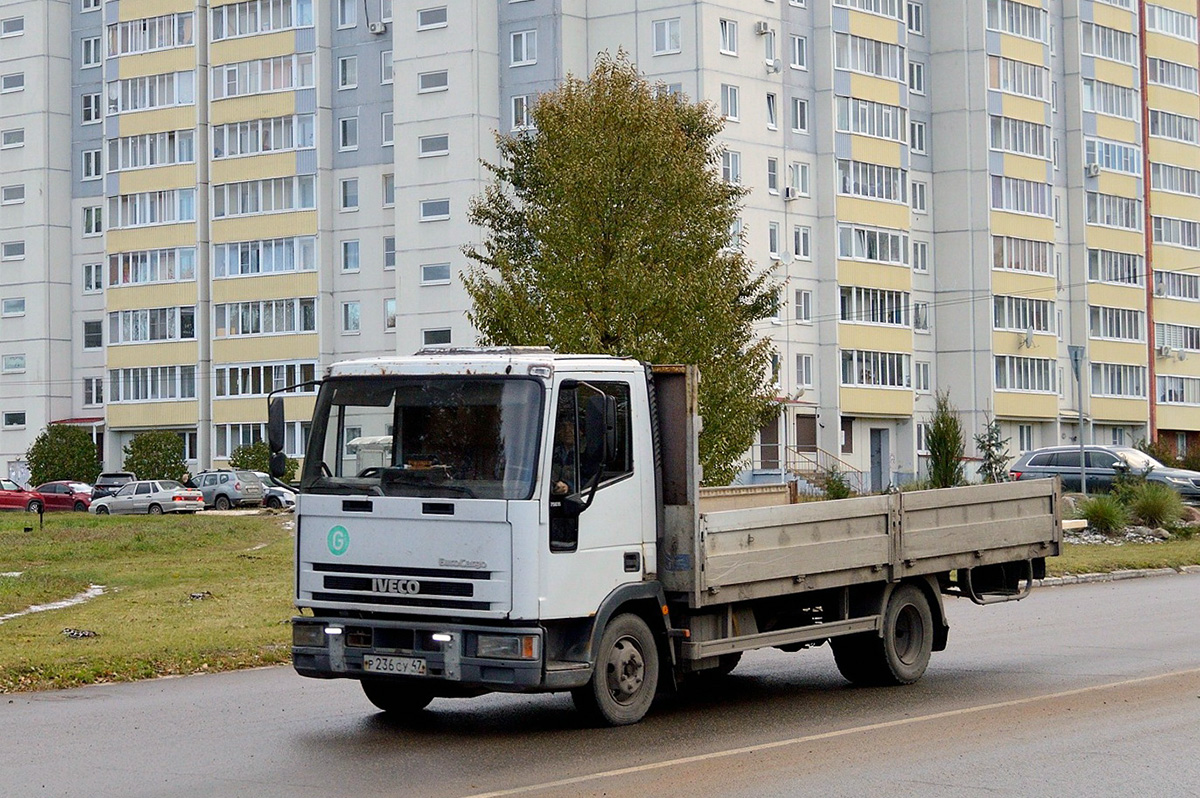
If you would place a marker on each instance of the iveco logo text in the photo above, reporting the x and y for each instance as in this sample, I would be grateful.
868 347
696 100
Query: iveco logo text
408 586
480 564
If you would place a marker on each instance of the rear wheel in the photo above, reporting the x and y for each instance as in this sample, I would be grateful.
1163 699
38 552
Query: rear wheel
901 655
395 697
221 503
625 680
34 506
80 507
154 509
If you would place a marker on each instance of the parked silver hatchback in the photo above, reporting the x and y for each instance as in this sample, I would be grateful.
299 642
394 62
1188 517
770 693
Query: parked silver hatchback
225 488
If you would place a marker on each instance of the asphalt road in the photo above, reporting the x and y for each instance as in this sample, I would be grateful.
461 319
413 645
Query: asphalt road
1079 690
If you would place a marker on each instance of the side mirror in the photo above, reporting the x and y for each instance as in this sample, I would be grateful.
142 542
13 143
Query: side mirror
276 424
1121 466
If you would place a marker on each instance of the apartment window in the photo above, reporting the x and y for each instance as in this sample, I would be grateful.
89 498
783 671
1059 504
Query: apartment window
152 324
440 337
1017 77
14 306
916 137
1019 19
429 18
1111 99
773 236
265 317
12 250
91 52
524 48
916 19
1116 324
93 278
250 17
389 190
1119 380
350 194
1174 126
434 210
1110 210
768 39
1171 22
14 418
433 146
921 380
389 314
884 8
729 102
1020 196
804 371
388 132
1176 232
389 253
522 112
12 195
435 274
920 256
872 181
10 139
799 115
873 244
13 26
93 334
773 175
802 242
347 13
438 80
1029 374
386 67
14 81
93 220
798 179
772 112
172 265
348 133
916 77
876 369
251 137
348 72
351 317
1019 314
1108 43
666 36
918 197
90 5
1019 136
93 391
729 41
731 166
270 195
868 118
350 260
1171 74
90 105
12 364
799 52
92 169
1024 438
803 301
868 56
874 306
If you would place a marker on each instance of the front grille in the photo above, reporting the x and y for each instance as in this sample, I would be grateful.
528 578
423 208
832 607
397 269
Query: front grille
392 570
364 583
401 601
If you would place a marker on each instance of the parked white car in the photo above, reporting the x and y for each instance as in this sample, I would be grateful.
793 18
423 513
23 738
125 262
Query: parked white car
152 496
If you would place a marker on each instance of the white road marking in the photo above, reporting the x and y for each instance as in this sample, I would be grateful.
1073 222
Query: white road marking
687 760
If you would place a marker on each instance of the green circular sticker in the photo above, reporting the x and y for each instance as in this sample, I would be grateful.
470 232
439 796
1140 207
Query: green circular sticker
339 540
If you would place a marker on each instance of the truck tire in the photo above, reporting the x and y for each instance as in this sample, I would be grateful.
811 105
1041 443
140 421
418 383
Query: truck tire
396 698
901 654
625 679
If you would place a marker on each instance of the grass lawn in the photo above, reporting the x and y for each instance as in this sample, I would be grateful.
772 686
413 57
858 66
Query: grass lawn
147 623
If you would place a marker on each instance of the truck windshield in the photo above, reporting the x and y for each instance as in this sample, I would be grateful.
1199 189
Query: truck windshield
453 437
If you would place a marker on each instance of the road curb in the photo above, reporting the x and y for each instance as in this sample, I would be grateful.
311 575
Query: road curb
1115 576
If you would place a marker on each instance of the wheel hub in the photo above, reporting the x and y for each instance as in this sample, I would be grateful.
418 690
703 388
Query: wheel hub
626 670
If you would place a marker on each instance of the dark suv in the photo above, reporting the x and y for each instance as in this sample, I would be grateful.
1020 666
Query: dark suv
110 482
224 488
1102 464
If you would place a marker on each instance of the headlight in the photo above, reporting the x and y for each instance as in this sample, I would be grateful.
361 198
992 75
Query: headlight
507 646
308 634
1179 481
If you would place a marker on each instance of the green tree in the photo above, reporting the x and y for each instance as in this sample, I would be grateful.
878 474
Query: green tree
157 454
945 441
62 451
257 457
993 452
607 230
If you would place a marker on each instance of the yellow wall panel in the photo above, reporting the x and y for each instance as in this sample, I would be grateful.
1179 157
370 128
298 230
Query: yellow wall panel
874 26
875 337
160 237
1036 286
1179 418
1177 311
1116 296
1177 206
135 355
139 9
1117 183
1012 404
1007 342
1113 72
275 286
254 167
874 275
158 178
869 87
1114 129
888 402
1019 49
138 122
1173 100
1133 411
1113 17
1175 259
160 295
872 150
1114 239
150 415
1024 108
252 48
1025 167
1100 351
265 348
256 106
233 411
179 59
1018 226
275 225
1160 45
1164 150
875 213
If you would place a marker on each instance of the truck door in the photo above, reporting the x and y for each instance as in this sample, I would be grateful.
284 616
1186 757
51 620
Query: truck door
596 489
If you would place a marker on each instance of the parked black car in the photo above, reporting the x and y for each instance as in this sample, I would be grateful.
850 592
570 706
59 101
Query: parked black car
110 482
1102 464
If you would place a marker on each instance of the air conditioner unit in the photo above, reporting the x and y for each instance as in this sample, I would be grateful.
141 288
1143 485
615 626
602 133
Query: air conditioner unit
1165 351
790 192
377 27
762 27
1092 170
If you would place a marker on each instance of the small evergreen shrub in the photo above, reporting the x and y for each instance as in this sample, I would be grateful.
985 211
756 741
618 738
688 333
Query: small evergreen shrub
1104 513
836 484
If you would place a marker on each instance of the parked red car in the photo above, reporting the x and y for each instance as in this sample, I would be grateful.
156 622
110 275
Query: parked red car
14 497
66 495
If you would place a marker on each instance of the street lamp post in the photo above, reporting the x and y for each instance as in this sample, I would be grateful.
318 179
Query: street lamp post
1076 354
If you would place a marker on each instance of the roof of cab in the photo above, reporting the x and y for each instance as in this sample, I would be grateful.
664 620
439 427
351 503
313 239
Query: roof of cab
481 360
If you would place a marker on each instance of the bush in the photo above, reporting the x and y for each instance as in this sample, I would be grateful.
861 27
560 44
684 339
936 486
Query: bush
62 451
1126 484
257 457
157 454
1156 504
945 441
993 453
1161 451
1104 513
836 484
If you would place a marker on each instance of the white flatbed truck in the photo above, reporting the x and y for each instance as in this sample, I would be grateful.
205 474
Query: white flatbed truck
538 525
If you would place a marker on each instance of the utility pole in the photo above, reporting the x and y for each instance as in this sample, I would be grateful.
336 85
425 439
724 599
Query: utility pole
1076 354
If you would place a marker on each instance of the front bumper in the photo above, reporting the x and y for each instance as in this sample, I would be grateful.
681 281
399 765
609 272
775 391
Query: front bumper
453 662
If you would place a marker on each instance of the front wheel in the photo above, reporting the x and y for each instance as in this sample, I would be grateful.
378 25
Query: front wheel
625 679
34 506
396 698
102 510
274 504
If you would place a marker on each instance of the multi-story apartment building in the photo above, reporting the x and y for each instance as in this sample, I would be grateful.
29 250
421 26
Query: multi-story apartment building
952 196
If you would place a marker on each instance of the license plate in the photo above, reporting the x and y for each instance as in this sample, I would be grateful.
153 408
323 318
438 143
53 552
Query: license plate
401 666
